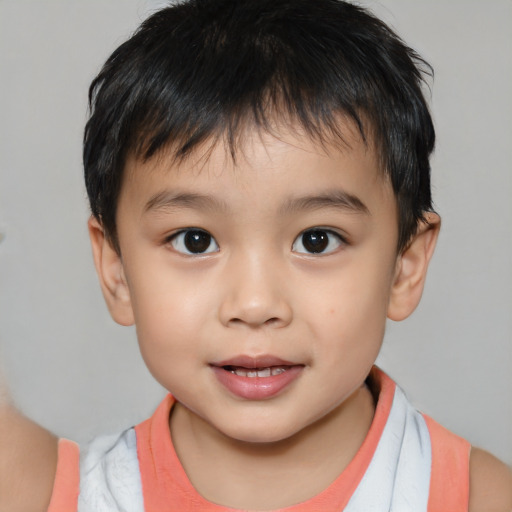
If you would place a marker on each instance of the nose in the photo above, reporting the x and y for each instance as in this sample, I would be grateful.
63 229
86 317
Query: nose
255 294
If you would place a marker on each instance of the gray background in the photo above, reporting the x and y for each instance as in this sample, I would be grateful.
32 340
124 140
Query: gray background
76 372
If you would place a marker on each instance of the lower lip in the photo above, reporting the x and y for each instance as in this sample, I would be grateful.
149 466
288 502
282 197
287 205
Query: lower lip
257 388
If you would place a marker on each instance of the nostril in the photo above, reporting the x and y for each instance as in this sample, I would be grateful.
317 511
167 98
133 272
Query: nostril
270 322
251 310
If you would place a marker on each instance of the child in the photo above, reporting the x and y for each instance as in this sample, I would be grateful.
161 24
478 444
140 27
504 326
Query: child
259 181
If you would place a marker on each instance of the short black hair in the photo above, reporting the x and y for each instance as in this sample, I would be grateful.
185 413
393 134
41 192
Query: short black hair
202 70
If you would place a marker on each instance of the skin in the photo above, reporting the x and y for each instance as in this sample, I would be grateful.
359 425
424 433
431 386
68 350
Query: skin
28 460
490 483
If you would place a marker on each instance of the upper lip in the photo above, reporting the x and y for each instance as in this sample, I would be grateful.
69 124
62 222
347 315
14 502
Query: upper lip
246 361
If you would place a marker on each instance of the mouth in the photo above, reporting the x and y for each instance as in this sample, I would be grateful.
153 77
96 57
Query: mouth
256 378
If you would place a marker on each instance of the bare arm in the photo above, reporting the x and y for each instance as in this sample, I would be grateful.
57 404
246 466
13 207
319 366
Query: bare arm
28 459
490 483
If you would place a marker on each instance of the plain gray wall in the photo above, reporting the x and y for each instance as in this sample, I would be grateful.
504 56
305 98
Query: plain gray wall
76 372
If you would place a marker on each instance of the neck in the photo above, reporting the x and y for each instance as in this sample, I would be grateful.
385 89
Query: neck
290 471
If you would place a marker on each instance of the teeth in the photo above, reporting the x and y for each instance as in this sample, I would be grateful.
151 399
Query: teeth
258 372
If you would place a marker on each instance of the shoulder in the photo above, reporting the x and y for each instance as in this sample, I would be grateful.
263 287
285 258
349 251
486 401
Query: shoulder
490 483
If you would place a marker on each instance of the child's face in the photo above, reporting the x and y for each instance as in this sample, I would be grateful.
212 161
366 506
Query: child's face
285 261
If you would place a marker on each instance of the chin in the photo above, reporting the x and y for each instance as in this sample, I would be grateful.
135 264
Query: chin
255 433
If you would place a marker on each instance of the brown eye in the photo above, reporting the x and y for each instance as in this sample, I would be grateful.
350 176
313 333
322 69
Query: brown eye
194 241
317 241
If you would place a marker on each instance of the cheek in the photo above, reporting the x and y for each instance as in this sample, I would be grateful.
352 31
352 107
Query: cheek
163 297
349 312
167 320
350 297
167 344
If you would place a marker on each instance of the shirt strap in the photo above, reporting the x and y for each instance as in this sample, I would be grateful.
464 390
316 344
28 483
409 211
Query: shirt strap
449 478
67 478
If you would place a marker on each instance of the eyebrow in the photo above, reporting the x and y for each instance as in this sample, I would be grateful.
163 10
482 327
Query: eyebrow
168 201
337 199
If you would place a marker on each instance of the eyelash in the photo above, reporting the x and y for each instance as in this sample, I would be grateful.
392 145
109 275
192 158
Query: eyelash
323 238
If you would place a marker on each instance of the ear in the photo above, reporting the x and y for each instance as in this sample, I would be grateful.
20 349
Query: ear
411 269
109 267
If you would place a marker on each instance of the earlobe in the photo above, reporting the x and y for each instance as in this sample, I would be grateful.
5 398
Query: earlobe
411 269
110 271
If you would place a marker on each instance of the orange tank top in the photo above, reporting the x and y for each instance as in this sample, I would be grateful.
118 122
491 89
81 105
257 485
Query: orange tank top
165 485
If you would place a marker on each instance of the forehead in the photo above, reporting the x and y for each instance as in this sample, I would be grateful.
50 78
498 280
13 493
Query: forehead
277 165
